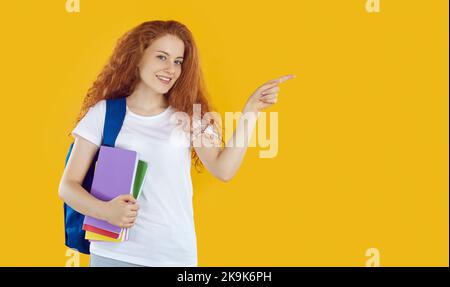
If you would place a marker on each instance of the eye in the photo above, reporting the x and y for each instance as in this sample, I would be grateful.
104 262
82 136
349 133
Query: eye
161 56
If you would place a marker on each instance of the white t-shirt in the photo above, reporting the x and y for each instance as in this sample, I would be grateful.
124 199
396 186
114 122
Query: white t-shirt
164 231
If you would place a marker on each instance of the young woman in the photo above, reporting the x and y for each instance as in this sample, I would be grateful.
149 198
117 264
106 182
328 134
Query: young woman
156 67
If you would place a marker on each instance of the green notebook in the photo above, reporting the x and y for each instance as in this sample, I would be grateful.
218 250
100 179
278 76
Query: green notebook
139 179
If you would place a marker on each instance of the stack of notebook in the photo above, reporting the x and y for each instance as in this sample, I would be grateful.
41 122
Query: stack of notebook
117 172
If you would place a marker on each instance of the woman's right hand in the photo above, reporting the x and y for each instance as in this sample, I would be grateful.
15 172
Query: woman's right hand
121 211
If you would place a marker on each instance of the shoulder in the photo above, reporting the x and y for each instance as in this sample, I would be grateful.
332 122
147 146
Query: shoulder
98 108
100 105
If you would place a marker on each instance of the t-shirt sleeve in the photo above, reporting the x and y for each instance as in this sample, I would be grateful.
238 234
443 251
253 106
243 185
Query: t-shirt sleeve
90 126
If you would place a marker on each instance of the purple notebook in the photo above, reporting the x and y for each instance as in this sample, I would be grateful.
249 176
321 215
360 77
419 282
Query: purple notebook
113 176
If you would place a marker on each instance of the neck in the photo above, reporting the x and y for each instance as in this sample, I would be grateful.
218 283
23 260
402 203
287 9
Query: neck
146 98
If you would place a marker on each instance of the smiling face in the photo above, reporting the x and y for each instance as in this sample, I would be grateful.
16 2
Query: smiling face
160 65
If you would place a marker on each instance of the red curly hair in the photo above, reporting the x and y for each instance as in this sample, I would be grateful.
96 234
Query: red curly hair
120 75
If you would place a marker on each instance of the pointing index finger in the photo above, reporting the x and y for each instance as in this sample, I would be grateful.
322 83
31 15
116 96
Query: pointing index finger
280 80
277 81
284 78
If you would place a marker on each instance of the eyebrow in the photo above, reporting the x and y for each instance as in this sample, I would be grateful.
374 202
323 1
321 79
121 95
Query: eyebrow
169 54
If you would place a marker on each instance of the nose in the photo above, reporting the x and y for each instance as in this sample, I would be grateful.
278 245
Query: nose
170 69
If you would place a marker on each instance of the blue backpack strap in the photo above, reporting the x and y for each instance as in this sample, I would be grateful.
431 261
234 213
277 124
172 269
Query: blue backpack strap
115 114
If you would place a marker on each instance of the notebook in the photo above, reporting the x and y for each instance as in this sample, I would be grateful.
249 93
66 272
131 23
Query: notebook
98 234
140 177
114 175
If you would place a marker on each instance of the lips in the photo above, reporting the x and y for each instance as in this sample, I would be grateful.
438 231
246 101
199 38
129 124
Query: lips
162 80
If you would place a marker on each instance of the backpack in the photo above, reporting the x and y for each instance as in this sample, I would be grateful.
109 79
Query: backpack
73 220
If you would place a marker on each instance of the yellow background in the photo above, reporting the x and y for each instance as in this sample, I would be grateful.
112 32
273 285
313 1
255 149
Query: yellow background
363 129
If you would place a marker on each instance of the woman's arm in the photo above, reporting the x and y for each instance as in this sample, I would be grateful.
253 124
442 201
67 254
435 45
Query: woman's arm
223 163
118 211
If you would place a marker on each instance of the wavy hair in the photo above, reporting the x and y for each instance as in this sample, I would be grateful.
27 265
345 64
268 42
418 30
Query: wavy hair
120 75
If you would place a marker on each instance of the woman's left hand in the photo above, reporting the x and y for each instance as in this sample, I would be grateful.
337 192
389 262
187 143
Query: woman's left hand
266 95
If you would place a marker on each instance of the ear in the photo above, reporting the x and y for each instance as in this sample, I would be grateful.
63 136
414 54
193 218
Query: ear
137 71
